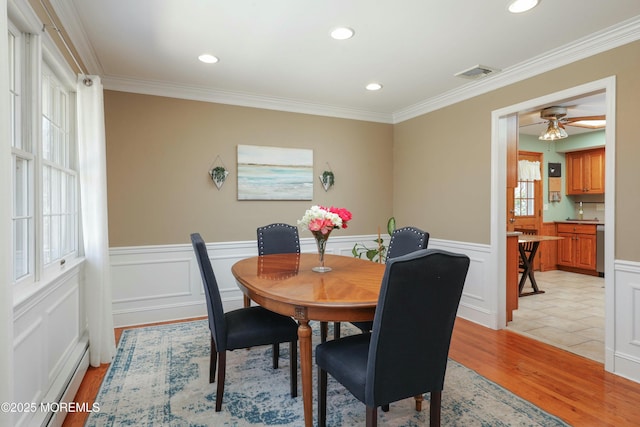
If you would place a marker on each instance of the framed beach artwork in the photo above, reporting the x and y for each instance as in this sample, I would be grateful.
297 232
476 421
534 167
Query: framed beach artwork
274 173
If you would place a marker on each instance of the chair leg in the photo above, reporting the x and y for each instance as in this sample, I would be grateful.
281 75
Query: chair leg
324 326
212 362
385 408
372 416
336 330
293 367
322 397
434 408
276 355
419 398
221 374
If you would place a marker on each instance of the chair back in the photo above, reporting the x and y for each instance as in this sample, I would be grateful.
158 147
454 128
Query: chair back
278 238
212 294
406 240
528 246
413 323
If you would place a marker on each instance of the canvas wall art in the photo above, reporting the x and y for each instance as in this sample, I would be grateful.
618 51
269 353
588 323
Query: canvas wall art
274 173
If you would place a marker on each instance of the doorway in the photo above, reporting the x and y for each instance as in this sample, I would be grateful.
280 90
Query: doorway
499 147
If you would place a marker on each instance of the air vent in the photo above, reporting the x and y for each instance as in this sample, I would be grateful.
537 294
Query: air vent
476 72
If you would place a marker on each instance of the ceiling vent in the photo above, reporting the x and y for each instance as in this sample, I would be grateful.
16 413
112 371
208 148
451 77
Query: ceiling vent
476 72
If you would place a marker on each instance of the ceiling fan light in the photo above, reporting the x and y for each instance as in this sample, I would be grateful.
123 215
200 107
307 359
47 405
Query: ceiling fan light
553 132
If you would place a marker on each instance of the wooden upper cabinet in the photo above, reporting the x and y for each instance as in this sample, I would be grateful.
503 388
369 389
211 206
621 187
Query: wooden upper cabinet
585 171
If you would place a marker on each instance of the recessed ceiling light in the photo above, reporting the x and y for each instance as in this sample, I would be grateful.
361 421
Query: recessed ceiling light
520 6
374 86
342 33
208 59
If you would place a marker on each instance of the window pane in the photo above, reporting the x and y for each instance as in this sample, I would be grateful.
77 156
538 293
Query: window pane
21 193
21 250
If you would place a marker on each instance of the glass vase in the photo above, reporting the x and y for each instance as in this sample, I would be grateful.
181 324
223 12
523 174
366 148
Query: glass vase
321 242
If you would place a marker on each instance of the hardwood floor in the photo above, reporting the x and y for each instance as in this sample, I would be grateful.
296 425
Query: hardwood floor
572 387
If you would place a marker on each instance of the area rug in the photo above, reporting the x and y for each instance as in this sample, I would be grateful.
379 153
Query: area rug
159 377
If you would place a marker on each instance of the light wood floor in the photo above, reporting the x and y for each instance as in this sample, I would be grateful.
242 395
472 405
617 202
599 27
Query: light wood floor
572 387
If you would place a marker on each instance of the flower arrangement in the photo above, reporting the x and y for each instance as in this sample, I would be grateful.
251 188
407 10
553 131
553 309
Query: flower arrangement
321 219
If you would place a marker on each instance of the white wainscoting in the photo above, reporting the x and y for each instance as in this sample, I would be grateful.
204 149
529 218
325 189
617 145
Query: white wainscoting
49 346
160 283
623 334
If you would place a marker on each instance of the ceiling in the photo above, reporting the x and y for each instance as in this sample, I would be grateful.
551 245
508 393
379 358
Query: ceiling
278 54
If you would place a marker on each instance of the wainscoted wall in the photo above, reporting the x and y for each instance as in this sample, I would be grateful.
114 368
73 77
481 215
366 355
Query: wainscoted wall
159 283
623 341
50 347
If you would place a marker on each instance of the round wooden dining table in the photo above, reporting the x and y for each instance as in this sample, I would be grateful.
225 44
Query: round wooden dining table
285 284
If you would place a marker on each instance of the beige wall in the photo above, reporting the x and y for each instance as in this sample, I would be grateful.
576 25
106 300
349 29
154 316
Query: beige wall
159 151
442 159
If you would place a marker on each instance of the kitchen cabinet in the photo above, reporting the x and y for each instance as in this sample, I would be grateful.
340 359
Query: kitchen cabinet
577 249
585 171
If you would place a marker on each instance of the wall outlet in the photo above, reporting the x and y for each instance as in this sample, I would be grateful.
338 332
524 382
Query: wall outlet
545 207
600 207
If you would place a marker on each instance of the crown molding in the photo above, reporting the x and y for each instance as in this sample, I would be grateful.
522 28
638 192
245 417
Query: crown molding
612 37
194 93
625 32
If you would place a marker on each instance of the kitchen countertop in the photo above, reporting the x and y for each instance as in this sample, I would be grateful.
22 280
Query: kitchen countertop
581 221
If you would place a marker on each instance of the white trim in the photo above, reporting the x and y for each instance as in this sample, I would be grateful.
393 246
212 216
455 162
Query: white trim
498 203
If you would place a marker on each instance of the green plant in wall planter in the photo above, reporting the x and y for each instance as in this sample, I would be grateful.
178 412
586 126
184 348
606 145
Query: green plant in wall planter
219 175
327 179
379 252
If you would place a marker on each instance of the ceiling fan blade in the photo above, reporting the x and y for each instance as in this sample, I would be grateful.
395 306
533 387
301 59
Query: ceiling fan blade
587 122
533 124
570 120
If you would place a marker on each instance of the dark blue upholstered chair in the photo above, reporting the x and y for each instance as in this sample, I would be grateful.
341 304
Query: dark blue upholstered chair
282 238
403 241
242 328
406 240
406 353
278 238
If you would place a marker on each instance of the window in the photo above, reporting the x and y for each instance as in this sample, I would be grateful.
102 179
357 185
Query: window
524 198
22 160
44 187
59 178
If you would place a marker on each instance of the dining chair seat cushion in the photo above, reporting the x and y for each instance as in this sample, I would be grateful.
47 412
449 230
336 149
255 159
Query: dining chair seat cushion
346 359
254 326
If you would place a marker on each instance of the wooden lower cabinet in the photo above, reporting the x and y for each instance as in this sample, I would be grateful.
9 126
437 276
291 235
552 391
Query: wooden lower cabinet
577 249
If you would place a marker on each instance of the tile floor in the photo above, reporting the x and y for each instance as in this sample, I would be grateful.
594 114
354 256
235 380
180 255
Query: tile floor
569 315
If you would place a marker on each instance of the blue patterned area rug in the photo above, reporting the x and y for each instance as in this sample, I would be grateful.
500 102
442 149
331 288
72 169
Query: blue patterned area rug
160 377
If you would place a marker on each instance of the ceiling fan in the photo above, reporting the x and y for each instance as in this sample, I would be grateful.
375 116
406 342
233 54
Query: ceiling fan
556 120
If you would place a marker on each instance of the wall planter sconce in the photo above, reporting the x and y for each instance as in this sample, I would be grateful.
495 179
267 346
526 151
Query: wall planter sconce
327 179
218 173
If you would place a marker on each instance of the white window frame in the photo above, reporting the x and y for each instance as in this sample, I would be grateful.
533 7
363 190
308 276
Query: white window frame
34 63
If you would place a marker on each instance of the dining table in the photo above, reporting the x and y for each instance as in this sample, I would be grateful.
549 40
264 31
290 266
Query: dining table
286 284
528 260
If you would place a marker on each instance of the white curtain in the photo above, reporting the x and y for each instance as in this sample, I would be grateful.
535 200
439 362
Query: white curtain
528 171
93 194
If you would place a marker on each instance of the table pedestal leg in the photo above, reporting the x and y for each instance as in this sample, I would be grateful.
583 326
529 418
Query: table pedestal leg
304 338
